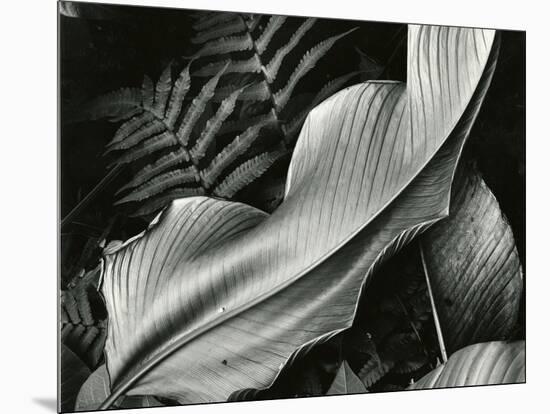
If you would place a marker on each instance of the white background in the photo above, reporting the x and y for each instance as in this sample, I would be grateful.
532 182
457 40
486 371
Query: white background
28 285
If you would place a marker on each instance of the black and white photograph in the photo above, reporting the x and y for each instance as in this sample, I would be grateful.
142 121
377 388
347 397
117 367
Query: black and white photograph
257 207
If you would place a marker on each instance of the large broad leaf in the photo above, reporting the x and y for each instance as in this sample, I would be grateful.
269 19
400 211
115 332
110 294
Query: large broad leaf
346 382
217 296
487 363
73 374
473 266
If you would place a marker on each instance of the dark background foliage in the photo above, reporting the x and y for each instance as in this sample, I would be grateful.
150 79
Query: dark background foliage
108 47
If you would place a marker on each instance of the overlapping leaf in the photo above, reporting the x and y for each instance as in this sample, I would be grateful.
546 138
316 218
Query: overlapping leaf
216 296
346 382
487 363
474 267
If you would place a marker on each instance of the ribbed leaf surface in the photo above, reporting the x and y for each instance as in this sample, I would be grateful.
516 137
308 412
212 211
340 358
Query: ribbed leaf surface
474 267
488 363
216 296
346 382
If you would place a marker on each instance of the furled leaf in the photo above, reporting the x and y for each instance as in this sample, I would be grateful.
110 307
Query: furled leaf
474 267
346 382
487 363
73 374
216 296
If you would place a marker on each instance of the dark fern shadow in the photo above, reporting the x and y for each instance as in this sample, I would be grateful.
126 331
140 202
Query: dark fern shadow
49 403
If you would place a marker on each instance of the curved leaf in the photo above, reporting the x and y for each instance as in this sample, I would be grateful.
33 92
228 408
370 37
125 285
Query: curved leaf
487 363
474 267
216 296
346 382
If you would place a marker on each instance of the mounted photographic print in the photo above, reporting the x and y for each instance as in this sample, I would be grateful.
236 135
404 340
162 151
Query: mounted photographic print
257 207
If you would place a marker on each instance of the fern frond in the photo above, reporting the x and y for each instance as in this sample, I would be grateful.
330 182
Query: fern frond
162 92
410 365
148 147
226 45
252 21
213 19
230 27
272 68
155 204
162 164
162 182
252 65
213 125
274 24
245 173
241 124
181 87
197 108
70 307
147 130
155 118
258 92
131 126
147 93
81 330
114 106
307 62
229 154
374 370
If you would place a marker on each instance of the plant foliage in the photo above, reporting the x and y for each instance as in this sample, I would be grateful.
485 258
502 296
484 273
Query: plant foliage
247 292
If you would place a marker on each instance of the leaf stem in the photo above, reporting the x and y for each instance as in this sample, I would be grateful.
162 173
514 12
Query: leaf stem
91 195
434 310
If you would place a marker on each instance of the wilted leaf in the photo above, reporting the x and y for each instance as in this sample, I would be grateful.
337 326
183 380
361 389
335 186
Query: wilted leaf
474 267
480 364
346 382
217 296
73 374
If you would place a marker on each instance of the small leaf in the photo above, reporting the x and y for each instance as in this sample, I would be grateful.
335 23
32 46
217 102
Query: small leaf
346 382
